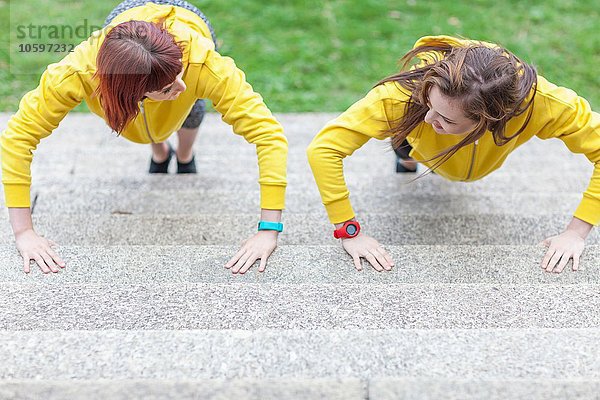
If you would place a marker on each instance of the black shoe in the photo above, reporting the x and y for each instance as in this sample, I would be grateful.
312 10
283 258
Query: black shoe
163 167
188 167
401 168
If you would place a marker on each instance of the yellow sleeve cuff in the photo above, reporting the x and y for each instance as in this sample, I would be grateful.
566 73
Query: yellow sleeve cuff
339 211
272 197
17 195
588 210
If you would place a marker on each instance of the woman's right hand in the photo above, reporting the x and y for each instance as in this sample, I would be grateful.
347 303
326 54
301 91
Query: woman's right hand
367 247
35 247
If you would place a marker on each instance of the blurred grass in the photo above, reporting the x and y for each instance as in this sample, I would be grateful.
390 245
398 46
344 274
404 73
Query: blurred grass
319 55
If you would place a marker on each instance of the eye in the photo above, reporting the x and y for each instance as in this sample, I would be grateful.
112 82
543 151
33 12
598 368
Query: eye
166 91
445 120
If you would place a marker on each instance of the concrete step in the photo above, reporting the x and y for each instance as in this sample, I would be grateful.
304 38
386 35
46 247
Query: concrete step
228 229
301 389
251 306
465 254
374 158
497 188
97 153
205 389
96 150
301 264
70 156
545 354
215 200
502 181
503 190
430 389
215 148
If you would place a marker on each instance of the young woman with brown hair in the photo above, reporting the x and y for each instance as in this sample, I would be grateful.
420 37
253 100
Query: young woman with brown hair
145 73
460 111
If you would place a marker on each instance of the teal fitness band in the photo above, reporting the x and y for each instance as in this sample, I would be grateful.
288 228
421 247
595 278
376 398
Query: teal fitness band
270 226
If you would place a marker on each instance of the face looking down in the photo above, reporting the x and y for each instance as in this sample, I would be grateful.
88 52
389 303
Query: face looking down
446 116
169 92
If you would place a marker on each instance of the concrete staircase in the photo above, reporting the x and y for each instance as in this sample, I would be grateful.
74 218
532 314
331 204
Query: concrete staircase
146 310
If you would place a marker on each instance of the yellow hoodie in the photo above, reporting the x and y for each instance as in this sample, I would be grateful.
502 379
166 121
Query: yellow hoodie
207 74
557 112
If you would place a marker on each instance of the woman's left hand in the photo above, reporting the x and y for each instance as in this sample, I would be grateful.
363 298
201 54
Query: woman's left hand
260 246
561 248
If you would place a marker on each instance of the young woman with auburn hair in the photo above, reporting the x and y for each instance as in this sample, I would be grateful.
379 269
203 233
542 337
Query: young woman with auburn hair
146 74
460 111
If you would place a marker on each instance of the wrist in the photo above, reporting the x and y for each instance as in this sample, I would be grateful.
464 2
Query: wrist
274 234
347 230
21 232
579 227
577 233
343 239
270 226
20 220
270 215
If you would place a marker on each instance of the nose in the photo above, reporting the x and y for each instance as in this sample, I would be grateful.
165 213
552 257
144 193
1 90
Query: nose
429 116
181 85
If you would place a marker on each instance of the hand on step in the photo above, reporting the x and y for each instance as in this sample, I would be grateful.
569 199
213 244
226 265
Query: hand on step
34 247
366 247
258 247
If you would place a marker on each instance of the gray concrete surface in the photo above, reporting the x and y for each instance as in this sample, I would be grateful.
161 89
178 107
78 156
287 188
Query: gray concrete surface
306 389
498 264
308 229
212 200
433 389
375 156
198 354
145 308
252 306
204 389
502 192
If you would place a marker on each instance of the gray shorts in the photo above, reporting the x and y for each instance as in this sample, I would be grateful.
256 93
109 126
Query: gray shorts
127 4
195 116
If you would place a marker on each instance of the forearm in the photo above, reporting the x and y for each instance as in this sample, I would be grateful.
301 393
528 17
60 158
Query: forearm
244 109
40 112
20 219
580 227
328 171
270 215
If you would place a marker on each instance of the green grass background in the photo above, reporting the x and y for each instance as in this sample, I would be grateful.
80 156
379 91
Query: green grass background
310 55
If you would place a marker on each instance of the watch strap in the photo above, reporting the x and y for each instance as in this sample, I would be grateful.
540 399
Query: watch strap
342 232
270 226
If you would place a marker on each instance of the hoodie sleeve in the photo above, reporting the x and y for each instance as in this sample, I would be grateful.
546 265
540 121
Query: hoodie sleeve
40 112
365 119
571 119
244 109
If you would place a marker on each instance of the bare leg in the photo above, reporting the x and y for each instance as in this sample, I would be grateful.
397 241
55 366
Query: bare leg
408 163
160 152
186 138
404 161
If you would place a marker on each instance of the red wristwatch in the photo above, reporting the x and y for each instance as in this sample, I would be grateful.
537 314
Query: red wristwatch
349 230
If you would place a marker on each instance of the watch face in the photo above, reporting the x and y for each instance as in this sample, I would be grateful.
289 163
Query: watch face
351 230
